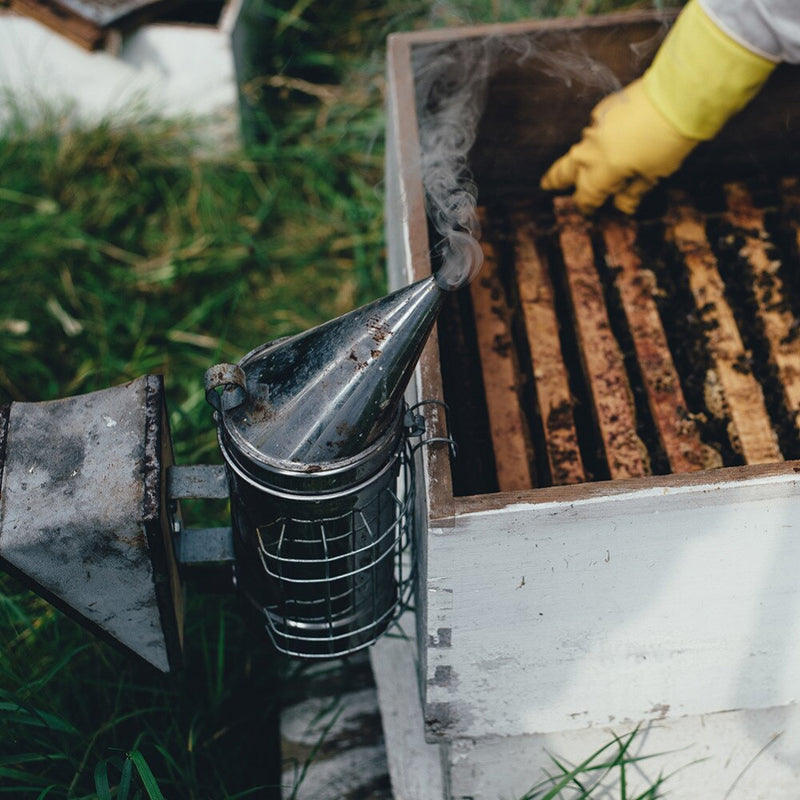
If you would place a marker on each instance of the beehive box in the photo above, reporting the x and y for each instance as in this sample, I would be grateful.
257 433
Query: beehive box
614 542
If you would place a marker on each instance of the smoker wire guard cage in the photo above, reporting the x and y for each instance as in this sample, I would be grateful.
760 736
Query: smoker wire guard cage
362 576
339 575
316 434
412 244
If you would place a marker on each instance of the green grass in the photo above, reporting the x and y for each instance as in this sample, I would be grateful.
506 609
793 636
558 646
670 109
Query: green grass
125 254
608 772
124 251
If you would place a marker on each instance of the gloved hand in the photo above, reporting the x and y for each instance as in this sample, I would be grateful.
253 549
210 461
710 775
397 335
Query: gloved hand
699 78
623 153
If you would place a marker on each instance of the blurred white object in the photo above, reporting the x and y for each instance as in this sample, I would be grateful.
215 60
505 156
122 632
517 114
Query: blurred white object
161 69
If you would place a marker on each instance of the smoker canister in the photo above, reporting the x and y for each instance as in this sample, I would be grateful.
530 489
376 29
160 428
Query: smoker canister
313 432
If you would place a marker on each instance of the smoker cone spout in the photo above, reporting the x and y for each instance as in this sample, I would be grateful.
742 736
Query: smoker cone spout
331 392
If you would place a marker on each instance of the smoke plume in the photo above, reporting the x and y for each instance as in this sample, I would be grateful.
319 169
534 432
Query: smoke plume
452 82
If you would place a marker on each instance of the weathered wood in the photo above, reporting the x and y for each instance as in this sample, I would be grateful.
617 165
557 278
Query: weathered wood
551 73
474 470
603 363
509 428
780 323
409 259
550 374
81 31
751 751
415 765
88 22
677 431
737 755
562 497
732 392
790 206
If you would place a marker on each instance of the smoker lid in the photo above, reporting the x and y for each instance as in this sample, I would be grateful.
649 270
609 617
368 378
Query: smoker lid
310 401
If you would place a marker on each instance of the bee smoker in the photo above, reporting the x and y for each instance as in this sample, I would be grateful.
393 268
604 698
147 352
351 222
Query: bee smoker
314 432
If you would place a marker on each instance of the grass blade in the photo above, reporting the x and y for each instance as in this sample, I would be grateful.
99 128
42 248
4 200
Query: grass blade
553 785
570 776
145 773
101 784
7 774
125 780
26 714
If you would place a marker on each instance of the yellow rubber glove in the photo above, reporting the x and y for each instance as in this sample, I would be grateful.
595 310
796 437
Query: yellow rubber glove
699 78
627 148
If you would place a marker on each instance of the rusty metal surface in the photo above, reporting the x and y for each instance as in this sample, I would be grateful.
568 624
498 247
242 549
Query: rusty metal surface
312 430
74 509
158 515
204 481
198 547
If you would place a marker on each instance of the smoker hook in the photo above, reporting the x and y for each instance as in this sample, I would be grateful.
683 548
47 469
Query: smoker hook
432 440
415 426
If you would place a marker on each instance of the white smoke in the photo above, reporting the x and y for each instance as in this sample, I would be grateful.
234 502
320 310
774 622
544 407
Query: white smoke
452 81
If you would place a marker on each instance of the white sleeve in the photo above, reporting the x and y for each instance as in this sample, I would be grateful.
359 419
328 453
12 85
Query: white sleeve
770 28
